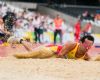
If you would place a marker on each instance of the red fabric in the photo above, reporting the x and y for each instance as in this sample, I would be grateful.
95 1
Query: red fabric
77 31
59 49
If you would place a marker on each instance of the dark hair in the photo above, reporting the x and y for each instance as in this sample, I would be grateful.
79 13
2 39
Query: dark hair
89 37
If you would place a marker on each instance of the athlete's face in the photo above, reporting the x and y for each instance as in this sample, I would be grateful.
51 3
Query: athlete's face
87 44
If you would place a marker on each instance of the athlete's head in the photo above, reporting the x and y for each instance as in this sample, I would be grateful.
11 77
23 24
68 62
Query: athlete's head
87 41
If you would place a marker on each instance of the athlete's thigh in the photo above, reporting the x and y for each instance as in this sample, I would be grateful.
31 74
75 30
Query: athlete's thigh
45 52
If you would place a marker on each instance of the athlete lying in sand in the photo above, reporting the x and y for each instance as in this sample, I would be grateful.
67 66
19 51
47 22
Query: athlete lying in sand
69 50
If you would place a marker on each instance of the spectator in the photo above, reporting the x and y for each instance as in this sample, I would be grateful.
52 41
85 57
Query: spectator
9 20
87 29
58 28
36 25
77 30
41 30
4 34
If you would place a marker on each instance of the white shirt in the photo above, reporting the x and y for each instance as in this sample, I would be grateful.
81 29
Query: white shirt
36 23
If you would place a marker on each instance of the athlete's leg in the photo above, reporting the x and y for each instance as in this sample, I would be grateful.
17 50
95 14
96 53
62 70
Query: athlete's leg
39 52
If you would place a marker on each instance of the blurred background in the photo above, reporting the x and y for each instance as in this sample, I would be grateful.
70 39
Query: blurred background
70 12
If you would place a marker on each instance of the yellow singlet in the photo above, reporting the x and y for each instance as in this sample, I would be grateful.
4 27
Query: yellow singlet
71 54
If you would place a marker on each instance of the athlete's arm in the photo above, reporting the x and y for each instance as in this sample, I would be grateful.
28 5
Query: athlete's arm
87 57
66 48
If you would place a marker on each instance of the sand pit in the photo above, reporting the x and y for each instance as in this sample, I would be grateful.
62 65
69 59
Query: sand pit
48 69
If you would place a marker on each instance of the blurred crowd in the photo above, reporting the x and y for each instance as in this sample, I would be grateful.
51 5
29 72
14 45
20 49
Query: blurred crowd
94 19
20 24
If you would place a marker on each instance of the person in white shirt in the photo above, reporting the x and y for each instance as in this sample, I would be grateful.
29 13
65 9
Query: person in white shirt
36 25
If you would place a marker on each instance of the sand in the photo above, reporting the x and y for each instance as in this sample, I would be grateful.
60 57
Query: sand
48 69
